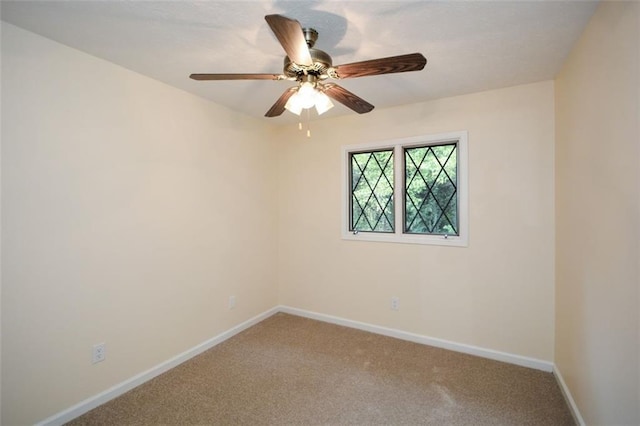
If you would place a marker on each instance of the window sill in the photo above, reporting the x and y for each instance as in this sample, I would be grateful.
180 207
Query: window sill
436 240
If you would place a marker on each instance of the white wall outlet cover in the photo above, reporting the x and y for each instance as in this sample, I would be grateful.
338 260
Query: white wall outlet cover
395 303
98 353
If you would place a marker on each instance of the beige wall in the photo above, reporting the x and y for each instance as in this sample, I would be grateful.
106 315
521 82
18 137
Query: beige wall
598 217
497 293
131 211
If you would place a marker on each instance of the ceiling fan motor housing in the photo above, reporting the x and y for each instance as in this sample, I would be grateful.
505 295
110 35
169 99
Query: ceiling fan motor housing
321 60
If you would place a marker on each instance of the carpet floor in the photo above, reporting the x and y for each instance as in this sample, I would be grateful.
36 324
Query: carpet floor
292 370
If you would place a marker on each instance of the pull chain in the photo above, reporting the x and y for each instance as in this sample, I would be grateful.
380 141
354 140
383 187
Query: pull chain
308 124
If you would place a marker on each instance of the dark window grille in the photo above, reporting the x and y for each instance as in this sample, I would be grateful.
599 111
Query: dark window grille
371 199
431 201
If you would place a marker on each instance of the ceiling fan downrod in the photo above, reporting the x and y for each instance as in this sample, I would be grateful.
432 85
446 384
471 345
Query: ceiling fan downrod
311 36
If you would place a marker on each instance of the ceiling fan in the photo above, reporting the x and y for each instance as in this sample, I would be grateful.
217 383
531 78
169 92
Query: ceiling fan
311 67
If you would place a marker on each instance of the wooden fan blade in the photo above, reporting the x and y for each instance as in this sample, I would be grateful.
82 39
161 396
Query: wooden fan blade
278 108
289 34
347 98
393 64
201 77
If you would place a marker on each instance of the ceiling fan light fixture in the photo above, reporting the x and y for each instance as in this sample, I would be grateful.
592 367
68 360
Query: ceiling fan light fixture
308 96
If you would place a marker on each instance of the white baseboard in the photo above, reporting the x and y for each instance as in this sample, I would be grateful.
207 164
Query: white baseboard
119 389
567 397
425 340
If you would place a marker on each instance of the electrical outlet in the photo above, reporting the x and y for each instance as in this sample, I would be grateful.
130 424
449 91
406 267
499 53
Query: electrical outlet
99 353
395 303
232 302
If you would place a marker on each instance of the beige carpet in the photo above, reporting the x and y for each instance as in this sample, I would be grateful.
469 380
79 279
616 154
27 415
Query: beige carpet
292 370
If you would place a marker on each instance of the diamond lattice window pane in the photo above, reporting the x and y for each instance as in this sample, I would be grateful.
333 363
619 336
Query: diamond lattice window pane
431 202
372 191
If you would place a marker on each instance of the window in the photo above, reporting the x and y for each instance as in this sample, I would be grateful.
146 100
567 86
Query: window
372 191
408 191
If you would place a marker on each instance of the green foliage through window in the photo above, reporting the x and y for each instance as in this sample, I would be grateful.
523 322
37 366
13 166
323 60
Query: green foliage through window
372 206
431 190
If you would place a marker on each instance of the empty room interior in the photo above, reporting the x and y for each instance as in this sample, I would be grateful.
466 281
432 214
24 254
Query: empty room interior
149 219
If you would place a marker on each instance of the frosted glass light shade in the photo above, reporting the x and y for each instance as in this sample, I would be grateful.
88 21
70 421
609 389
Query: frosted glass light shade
294 105
307 95
323 103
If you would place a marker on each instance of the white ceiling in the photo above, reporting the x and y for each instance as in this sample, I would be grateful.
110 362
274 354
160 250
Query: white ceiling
470 46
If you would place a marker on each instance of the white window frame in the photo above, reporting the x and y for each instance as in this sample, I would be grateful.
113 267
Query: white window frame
398 145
